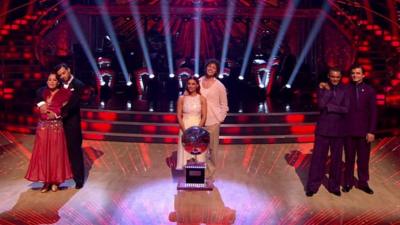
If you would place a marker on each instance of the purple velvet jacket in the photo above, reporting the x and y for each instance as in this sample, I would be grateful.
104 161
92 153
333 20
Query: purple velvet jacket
333 105
362 116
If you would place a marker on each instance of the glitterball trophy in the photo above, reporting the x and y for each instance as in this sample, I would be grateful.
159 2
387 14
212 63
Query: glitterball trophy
195 141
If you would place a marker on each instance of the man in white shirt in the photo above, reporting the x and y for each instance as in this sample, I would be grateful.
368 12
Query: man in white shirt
217 107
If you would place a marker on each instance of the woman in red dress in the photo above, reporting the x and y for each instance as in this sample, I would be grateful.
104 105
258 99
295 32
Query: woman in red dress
49 162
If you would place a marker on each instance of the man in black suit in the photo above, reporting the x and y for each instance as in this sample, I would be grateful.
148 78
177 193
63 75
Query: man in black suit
360 130
333 103
72 122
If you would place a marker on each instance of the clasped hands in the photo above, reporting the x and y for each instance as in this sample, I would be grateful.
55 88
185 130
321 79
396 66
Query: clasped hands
50 114
324 85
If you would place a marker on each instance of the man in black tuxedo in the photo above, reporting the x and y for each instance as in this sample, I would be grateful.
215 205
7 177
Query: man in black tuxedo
333 103
360 131
72 122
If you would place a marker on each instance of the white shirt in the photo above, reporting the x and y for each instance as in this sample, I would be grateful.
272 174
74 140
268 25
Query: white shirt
217 102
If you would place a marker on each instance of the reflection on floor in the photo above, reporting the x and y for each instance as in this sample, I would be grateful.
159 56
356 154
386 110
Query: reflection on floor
130 183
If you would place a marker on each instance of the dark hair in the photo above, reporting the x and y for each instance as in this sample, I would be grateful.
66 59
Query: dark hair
212 61
356 66
334 69
197 82
59 66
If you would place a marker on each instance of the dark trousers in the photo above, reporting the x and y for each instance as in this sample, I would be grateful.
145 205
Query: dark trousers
318 161
73 137
360 148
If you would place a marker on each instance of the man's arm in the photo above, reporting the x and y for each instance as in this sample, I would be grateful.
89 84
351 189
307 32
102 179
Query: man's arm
74 101
39 100
373 112
223 103
324 96
343 106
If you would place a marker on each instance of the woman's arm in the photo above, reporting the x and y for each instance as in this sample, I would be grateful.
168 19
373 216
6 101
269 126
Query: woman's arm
179 112
203 111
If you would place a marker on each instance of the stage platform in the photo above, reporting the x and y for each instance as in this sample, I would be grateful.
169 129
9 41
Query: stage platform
130 183
253 121
154 121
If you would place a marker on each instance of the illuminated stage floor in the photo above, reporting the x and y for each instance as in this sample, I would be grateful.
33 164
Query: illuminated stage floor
129 183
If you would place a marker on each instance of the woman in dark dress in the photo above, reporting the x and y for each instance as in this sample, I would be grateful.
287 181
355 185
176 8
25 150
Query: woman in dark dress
49 162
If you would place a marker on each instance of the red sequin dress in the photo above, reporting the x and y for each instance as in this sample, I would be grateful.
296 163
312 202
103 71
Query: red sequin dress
49 162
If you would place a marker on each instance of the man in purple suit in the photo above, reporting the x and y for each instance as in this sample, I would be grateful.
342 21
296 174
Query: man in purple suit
360 128
333 103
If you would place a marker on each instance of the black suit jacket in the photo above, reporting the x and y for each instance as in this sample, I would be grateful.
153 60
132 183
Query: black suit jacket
71 111
333 105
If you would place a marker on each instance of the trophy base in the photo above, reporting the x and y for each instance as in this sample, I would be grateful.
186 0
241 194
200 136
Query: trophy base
206 186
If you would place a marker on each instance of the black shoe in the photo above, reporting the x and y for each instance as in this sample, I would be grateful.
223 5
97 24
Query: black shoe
366 189
337 193
346 188
78 185
310 193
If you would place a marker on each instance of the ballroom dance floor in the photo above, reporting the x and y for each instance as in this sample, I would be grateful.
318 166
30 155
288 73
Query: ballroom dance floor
130 183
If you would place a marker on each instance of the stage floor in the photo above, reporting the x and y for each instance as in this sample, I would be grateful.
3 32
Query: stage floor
130 183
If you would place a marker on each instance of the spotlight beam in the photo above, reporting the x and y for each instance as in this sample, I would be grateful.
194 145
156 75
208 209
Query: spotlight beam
110 30
310 39
227 33
197 33
167 33
81 38
281 34
142 41
253 32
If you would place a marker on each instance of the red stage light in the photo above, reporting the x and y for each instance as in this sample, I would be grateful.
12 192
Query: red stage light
242 119
367 67
31 120
363 48
302 129
232 130
294 118
305 139
380 97
169 118
14 27
370 27
395 43
84 125
89 115
8 90
149 129
394 83
169 140
227 141
107 116
4 32
387 38
37 76
102 127
378 32
18 129
94 136
27 55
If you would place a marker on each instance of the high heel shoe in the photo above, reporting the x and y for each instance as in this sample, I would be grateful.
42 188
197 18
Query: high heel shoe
54 187
45 188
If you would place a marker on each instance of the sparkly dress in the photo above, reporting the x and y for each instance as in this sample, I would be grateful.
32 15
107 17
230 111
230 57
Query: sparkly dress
49 162
191 117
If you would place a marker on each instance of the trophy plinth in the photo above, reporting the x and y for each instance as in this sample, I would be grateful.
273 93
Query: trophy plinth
195 141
